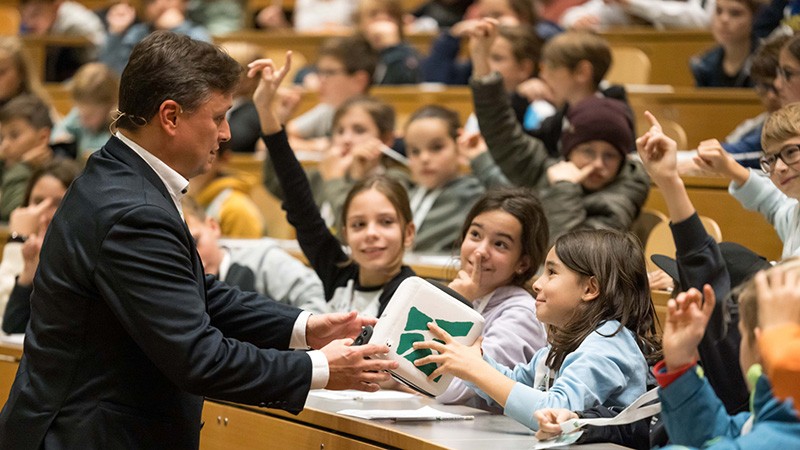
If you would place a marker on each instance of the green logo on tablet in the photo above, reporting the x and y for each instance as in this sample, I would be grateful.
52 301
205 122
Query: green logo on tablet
418 321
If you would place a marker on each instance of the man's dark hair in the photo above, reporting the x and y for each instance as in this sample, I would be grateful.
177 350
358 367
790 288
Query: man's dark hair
165 66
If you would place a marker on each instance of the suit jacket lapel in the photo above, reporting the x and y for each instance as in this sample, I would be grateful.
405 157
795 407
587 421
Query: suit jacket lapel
122 152
119 150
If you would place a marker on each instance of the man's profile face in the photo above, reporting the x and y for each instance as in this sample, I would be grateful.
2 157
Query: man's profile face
199 134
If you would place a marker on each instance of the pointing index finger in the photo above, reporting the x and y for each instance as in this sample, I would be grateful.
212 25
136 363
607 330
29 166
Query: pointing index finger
652 119
476 268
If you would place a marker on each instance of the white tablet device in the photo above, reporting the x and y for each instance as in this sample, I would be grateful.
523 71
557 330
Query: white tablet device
405 321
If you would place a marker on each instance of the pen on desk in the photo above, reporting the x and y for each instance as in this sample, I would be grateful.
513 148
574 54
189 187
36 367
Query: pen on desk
428 419
394 154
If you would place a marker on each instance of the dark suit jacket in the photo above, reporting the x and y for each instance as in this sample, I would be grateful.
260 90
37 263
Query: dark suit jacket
126 333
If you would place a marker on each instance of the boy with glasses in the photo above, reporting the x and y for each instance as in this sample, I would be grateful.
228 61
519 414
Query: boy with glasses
344 70
775 195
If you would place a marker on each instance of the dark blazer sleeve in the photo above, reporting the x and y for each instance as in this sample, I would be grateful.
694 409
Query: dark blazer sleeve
248 316
144 274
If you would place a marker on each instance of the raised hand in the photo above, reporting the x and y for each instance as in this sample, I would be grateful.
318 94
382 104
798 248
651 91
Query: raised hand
549 421
659 153
454 358
288 99
170 19
470 146
687 316
778 297
349 368
469 283
119 17
321 329
481 37
713 158
270 79
535 89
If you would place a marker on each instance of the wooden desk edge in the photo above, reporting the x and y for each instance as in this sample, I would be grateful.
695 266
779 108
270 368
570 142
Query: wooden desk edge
361 429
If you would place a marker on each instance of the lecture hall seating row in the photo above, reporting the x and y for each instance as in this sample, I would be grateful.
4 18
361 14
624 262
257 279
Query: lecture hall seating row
669 51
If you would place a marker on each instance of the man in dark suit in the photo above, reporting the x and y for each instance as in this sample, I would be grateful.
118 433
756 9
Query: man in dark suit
127 335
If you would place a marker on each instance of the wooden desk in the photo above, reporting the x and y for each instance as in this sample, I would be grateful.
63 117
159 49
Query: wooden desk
669 50
660 299
306 44
10 354
711 198
704 113
229 425
59 97
407 99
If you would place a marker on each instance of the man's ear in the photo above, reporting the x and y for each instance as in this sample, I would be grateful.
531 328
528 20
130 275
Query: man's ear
591 290
168 114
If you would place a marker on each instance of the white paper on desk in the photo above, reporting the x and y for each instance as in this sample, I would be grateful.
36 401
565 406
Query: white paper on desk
559 441
350 394
15 340
424 413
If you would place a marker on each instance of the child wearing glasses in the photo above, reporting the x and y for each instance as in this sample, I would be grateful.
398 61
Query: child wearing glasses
775 195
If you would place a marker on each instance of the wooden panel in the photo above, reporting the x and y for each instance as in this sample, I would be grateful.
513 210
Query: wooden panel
307 44
669 50
253 6
36 47
9 363
711 198
60 97
704 113
660 299
407 99
228 427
